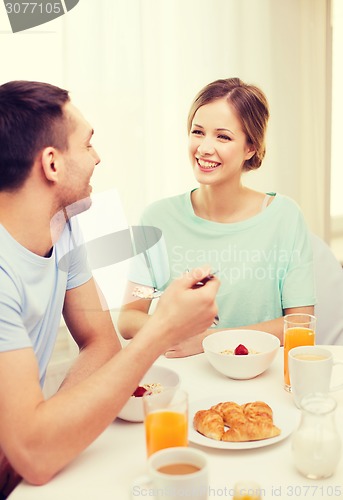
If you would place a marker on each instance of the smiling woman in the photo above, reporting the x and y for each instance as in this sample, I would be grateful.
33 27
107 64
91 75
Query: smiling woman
227 125
241 119
216 149
270 273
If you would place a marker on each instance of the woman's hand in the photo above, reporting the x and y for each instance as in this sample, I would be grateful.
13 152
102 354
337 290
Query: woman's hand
188 347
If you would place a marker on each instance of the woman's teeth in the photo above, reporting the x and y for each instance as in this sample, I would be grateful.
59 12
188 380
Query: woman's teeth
207 164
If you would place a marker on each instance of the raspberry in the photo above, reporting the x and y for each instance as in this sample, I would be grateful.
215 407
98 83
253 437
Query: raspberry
241 350
139 392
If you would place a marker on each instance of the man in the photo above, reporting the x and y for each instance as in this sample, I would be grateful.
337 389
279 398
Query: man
46 163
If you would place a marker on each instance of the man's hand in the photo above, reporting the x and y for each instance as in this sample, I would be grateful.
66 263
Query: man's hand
188 311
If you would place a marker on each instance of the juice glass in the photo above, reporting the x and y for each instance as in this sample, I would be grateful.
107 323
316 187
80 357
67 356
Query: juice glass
299 329
166 419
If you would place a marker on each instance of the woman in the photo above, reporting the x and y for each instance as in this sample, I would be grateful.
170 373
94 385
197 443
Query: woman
258 243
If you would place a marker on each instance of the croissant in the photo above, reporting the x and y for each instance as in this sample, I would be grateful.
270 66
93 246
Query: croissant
209 423
248 422
257 410
232 413
249 431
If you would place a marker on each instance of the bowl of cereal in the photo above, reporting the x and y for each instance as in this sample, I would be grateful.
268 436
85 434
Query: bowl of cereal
241 354
156 379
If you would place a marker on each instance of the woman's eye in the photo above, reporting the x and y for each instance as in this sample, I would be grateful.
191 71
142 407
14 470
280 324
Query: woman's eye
196 132
224 137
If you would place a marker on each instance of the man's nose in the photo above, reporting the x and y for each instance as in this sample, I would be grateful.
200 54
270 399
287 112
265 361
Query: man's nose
96 157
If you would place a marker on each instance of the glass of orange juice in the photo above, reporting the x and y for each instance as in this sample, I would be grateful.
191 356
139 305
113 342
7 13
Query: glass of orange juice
299 329
247 490
165 419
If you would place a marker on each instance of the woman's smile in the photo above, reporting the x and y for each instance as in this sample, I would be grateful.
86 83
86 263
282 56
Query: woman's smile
206 165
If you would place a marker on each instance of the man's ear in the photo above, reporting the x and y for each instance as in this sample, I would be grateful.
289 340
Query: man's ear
50 160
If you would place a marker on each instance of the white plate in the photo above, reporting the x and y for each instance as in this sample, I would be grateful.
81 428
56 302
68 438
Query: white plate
284 417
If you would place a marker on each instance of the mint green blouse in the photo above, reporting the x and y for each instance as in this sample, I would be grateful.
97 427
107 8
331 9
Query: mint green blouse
264 263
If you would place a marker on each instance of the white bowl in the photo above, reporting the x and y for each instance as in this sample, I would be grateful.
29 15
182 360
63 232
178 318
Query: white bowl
133 409
241 367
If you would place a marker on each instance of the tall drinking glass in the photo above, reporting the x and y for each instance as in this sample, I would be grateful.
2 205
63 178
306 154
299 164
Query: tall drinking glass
299 329
166 419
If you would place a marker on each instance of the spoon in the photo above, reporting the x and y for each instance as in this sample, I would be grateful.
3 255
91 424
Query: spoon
149 292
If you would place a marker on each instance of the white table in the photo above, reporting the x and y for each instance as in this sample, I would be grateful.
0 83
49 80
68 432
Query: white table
107 469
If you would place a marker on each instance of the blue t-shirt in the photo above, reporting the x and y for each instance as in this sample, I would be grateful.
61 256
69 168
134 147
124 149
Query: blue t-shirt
264 263
32 291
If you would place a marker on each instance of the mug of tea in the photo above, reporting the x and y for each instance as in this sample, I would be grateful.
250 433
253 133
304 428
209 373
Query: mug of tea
174 473
310 370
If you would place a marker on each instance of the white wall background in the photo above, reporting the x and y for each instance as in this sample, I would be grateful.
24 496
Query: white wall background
337 108
133 67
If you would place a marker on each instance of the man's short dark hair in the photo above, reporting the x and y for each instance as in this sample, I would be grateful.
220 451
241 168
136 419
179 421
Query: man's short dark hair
31 119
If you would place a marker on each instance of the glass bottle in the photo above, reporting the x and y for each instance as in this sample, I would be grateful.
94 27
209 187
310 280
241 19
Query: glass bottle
316 444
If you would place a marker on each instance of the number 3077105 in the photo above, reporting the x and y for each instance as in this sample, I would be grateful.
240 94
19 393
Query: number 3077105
34 7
